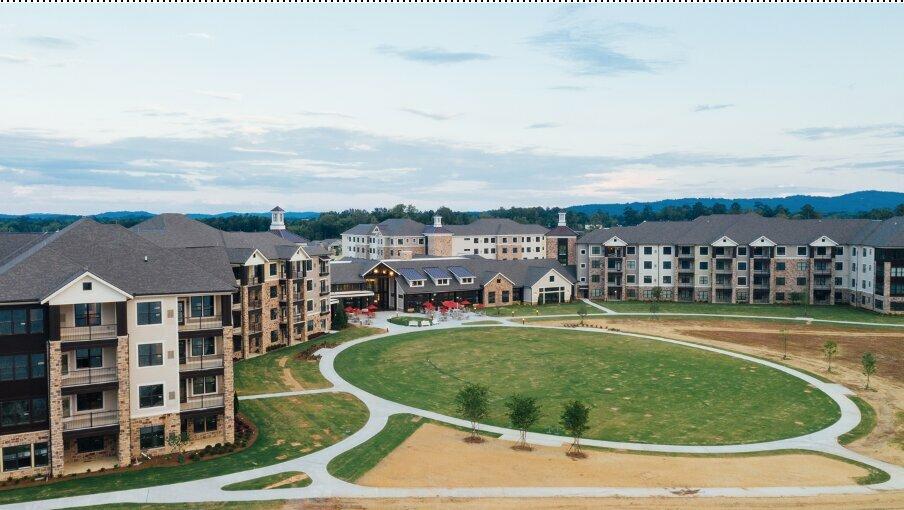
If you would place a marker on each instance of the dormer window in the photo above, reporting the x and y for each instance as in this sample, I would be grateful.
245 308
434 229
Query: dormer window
442 281
417 283
467 280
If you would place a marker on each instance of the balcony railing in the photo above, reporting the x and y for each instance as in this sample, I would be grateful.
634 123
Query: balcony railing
254 280
201 323
614 267
78 333
254 304
87 376
202 402
254 327
91 420
820 268
210 361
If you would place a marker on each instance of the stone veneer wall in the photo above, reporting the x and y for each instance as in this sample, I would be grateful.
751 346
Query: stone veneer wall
228 388
38 436
268 303
125 432
552 248
440 245
171 425
497 285
55 406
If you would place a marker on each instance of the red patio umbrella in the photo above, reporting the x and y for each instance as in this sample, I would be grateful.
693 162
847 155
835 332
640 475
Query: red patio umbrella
429 305
349 309
372 307
465 302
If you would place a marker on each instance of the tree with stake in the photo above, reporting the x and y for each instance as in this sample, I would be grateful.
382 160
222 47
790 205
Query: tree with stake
655 295
574 421
473 404
523 413
784 334
582 311
829 350
868 362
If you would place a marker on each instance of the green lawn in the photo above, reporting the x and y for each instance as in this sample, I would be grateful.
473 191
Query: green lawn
289 427
264 374
866 425
528 310
837 312
408 320
639 390
481 323
266 481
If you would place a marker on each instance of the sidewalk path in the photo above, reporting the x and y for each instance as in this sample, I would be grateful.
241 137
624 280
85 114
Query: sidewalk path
325 485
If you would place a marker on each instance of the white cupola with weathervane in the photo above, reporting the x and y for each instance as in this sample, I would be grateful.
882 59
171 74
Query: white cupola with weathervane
277 218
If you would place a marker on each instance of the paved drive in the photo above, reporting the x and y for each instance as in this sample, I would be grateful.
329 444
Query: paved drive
325 485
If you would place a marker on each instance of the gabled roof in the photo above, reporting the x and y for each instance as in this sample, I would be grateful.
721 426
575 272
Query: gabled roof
496 227
292 237
112 253
561 231
400 227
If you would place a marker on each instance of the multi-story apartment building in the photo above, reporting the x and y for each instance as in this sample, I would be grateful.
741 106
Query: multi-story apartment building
489 238
109 344
282 280
748 259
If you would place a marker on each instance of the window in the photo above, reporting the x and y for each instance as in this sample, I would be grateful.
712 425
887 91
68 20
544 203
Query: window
801 250
86 285
150 355
204 385
273 291
36 320
647 250
273 313
801 281
801 266
505 296
704 266
742 266
704 250
150 396
90 401
595 250
90 444
204 346
742 280
632 264
779 280
630 250
839 266
666 250
779 296
703 280
667 280
742 251
595 278
779 266
272 269
40 455
17 457
838 281
151 437
88 314
89 357
491 297
202 306
14 367
648 279
38 365
552 278
631 278
839 250
779 250
667 264
648 264
204 424
12 322
149 313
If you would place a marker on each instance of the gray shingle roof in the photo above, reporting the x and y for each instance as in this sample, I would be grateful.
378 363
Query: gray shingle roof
111 252
496 226
745 228
289 236
400 227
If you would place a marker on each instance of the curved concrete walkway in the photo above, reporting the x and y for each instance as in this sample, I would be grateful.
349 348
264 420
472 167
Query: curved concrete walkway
325 485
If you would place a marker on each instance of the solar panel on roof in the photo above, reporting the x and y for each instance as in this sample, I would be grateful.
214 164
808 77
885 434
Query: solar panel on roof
411 275
436 273
461 272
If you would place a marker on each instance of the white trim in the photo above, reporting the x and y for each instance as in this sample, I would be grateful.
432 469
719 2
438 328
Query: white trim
138 396
57 292
162 355
615 241
502 275
823 241
248 263
762 241
724 241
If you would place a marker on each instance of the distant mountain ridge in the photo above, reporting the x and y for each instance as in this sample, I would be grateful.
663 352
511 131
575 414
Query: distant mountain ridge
857 201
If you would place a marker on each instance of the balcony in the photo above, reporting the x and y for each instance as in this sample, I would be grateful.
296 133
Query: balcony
195 363
201 323
91 420
85 333
202 402
723 268
615 268
822 269
84 377
254 327
255 280
821 284
254 304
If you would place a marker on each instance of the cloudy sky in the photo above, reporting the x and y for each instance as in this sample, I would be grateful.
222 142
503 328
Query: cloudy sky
203 108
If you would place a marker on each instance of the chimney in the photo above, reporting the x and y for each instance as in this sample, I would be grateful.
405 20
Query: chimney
562 219
437 221
277 219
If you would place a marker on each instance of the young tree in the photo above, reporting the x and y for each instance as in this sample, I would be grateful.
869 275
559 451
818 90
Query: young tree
473 404
655 296
583 311
574 421
340 319
868 362
523 413
784 334
829 350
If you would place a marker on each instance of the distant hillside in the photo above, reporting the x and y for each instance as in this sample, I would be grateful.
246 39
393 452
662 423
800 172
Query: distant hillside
843 204
111 216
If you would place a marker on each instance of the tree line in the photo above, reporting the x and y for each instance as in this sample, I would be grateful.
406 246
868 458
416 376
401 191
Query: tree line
331 224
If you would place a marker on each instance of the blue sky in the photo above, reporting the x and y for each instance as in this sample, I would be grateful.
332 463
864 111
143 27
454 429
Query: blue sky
203 108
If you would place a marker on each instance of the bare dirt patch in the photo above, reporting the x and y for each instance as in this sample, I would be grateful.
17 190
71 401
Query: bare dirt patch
887 500
290 480
434 456
287 377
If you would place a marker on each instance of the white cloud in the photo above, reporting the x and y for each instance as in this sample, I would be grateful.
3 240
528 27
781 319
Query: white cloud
14 59
230 96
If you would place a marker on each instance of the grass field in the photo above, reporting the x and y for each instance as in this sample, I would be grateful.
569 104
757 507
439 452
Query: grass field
528 310
408 320
288 427
866 425
266 481
639 390
838 312
264 374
